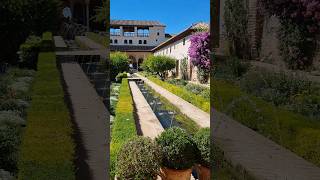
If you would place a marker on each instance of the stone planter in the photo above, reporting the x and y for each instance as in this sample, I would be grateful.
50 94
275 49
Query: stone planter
173 174
203 172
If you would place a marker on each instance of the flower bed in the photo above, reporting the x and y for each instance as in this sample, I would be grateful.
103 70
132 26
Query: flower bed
123 127
291 130
47 150
196 100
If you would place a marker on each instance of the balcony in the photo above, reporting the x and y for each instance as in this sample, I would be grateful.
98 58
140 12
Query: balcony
115 33
143 34
129 34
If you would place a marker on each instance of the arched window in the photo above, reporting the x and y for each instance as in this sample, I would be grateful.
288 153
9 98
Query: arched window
144 41
126 41
140 41
184 41
116 41
130 41
110 41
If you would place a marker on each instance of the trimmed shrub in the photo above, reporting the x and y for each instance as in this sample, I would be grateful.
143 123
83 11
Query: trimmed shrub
47 149
120 76
119 63
11 118
276 123
178 149
138 159
123 127
47 42
29 52
10 141
194 99
202 141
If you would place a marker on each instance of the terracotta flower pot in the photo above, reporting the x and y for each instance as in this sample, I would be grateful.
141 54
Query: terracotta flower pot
203 172
173 174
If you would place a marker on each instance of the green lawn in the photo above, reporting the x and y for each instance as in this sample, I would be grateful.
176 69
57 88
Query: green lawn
47 150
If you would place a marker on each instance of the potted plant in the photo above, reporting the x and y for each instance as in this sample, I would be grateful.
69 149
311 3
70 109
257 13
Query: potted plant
202 141
178 154
139 158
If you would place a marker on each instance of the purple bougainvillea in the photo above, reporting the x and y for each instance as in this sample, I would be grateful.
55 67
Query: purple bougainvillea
199 50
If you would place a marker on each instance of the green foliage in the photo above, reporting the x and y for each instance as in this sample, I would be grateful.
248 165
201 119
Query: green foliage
20 18
194 99
10 141
47 42
123 127
282 126
139 159
120 76
202 141
236 21
290 91
47 146
177 148
119 63
29 52
297 48
159 65
184 68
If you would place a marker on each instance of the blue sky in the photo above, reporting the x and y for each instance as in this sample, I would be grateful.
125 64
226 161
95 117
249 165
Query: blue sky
177 15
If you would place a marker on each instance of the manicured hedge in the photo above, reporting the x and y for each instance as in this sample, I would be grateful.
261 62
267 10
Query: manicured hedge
47 150
196 100
103 40
123 127
47 42
291 130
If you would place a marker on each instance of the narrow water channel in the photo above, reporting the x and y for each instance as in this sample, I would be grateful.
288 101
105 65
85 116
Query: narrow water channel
166 117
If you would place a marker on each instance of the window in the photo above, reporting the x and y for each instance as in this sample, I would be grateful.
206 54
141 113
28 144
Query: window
130 41
126 41
156 40
110 41
140 41
116 41
158 33
184 41
144 41
170 49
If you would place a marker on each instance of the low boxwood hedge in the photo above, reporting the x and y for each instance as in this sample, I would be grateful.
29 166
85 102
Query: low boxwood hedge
291 130
192 98
47 150
47 42
123 127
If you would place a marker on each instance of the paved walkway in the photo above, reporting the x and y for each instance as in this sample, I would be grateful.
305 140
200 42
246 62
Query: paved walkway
91 118
260 156
148 121
200 117
59 43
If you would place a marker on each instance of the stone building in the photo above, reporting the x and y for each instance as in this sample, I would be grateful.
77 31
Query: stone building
136 38
177 47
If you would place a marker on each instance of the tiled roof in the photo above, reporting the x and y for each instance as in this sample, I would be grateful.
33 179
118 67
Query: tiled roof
183 34
130 48
135 23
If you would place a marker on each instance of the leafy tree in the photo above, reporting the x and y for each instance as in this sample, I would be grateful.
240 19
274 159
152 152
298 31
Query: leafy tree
119 63
159 65
20 18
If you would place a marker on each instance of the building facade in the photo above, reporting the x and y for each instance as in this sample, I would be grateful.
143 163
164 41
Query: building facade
177 47
136 38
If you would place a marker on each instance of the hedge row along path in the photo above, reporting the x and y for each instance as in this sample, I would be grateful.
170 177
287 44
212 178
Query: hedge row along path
200 117
261 157
91 118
